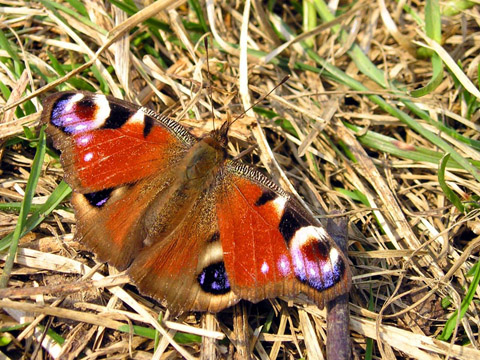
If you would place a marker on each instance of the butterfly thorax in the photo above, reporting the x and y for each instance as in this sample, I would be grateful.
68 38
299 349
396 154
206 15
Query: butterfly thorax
191 177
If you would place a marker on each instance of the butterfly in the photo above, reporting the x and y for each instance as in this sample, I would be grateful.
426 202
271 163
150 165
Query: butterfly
193 228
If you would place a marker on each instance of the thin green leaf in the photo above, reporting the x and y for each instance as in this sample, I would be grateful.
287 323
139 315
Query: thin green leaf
433 29
453 7
354 195
473 270
309 20
79 7
5 45
446 302
433 21
25 209
437 78
56 64
57 8
14 327
181 338
157 333
392 146
104 88
131 10
452 321
57 196
446 189
198 9
53 335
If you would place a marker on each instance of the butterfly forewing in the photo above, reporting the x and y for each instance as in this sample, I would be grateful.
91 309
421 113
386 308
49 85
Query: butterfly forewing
106 142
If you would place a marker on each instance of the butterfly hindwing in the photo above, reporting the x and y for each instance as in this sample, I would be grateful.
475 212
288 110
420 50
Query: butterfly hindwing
186 269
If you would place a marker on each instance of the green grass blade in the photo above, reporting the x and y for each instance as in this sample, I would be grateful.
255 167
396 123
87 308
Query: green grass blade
446 189
433 29
392 146
309 20
452 321
433 21
18 66
56 8
131 10
437 77
197 8
25 209
5 45
79 7
453 7
57 196
181 338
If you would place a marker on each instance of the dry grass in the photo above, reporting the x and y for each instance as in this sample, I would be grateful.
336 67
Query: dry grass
353 142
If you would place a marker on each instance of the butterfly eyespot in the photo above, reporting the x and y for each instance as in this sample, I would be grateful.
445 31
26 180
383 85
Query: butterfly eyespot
214 280
84 103
315 262
99 198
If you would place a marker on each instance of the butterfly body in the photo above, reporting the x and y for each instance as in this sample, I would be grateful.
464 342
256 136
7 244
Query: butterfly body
192 227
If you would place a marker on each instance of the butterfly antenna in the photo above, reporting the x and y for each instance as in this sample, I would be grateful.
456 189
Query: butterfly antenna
283 81
205 42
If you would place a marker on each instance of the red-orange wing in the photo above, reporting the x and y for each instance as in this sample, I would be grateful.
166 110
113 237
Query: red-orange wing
106 142
271 246
185 269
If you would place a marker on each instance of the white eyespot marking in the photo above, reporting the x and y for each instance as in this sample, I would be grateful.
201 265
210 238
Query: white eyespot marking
137 118
84 139
279 204
334 255
78 122
283 265
264 269
305 234
103 110
88 157
314 260
81 128
72 101
301 238
322 233
212 254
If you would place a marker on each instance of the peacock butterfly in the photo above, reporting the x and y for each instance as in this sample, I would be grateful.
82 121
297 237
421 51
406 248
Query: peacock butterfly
192 228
